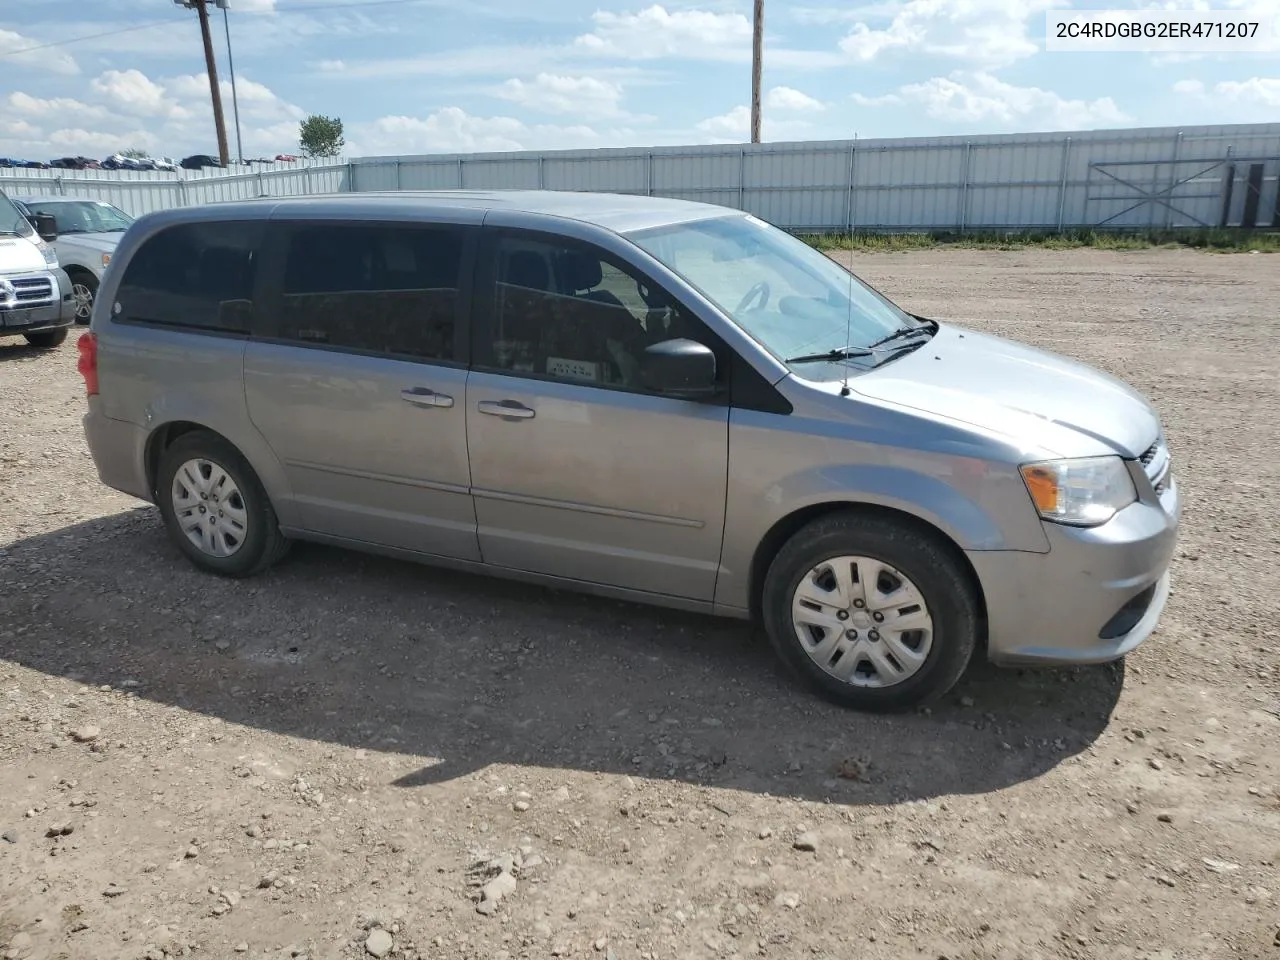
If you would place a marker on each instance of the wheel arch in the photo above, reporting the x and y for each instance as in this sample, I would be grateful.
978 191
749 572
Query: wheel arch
163 437
786 527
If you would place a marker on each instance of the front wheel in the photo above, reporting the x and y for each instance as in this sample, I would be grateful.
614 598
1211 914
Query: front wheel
873 613
47 339
215 507
84 287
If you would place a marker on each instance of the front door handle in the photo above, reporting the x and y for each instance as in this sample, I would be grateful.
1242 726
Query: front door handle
507 409
425 397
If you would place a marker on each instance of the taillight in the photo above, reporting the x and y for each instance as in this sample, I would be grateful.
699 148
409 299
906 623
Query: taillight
88 362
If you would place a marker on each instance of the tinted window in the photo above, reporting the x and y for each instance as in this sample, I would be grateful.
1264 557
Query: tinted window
387 289
568 312
195 275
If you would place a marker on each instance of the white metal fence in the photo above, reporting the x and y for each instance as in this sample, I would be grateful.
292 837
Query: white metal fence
1138 178
139 192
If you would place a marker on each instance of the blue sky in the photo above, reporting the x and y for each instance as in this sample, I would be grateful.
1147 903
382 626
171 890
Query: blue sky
428 76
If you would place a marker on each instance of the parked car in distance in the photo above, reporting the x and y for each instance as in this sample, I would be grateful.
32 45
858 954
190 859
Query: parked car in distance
35 295
286 158
165 163
650 399
88 231
199 161
118 161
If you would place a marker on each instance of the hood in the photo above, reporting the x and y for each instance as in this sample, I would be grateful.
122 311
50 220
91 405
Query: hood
1038 398
18 255
101 242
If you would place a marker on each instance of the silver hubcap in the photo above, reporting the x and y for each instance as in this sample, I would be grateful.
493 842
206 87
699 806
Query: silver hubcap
84 300
862 621
209 508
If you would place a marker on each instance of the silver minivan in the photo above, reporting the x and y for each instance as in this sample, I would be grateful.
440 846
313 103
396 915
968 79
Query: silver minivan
655 400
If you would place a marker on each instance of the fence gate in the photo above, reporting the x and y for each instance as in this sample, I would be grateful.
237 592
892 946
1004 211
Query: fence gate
1224 191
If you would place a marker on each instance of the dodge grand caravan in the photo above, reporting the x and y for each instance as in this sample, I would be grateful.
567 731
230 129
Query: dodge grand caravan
649 399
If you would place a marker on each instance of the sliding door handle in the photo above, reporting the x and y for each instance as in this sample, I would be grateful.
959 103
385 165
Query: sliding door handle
425 397
507 409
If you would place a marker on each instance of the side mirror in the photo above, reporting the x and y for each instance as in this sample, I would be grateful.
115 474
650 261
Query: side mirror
684 369
46 226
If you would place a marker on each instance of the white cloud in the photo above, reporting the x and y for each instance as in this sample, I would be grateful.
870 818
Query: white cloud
133 92
734 125
50 58
20 130
655 33
980 98
256 100
76 140
331 66
123 109
786 98
1243 99
62 107
453 130
552 93
1261 90
985 32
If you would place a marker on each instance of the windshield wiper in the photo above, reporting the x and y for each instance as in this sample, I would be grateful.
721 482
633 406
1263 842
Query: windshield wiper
839 353
902 334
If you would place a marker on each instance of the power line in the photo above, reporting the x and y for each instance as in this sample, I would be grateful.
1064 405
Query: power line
309 8
91 36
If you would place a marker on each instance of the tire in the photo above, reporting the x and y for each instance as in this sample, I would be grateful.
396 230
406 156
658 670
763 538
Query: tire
47 339
249 538
84 289
932 659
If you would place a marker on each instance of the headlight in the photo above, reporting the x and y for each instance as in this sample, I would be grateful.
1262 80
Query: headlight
1083 492
50 256
106 258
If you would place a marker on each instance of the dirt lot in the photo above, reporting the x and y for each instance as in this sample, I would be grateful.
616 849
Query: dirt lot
313 763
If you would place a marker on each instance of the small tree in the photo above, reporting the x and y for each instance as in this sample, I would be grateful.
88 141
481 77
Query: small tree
321 136
134 153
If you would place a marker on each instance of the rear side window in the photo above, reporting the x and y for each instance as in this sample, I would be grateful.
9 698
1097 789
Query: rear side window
387 289
196 275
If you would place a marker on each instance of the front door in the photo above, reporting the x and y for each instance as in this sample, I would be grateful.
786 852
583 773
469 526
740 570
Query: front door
576 470
359 385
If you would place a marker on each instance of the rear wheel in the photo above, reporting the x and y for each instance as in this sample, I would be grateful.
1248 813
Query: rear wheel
47 339
871 612
215 508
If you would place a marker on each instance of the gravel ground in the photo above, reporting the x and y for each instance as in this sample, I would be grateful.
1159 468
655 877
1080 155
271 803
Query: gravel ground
334 760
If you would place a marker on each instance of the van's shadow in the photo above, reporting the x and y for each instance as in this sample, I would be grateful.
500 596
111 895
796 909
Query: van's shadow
465 671
15 348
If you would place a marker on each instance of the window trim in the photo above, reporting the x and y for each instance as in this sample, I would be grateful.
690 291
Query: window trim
255 311
484 313
270 295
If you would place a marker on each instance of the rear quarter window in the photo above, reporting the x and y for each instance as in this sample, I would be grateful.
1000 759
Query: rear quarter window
197 276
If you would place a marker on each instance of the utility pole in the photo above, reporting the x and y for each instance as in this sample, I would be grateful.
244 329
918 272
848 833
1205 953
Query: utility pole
757 56
211 66
235 101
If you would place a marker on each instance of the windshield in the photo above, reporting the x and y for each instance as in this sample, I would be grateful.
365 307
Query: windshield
82 216
792 299
12 222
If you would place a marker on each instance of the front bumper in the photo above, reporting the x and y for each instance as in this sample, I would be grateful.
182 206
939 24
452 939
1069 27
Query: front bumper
21 315
1096 595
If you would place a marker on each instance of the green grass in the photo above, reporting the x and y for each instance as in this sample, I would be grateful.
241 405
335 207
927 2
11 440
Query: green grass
1221 241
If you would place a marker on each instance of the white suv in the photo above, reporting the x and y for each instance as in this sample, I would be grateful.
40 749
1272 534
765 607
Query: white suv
88 231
